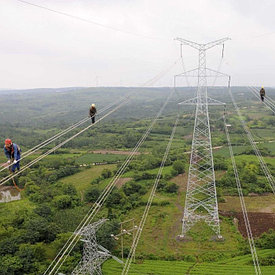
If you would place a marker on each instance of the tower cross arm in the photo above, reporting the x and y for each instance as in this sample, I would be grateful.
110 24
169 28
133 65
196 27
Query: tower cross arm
216 42
189 43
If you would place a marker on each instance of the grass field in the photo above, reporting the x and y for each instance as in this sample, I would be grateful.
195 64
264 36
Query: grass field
238 265
83 179
264 204
242 148
91 158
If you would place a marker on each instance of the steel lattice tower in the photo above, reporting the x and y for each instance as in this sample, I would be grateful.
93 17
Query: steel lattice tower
201 198
93 253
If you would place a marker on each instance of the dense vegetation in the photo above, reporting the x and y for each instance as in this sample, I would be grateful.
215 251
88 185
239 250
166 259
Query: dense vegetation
61 188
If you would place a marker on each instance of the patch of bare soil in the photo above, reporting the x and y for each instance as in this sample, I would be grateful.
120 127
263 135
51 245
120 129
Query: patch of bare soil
122 181
188 137
259 222
181 181
104 152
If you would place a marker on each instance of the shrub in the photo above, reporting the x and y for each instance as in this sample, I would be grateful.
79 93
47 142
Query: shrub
43 210
92 194
134 187
106 173
171 187
178 166
266 240
62 201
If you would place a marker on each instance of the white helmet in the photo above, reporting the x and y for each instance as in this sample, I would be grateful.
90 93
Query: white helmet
93 105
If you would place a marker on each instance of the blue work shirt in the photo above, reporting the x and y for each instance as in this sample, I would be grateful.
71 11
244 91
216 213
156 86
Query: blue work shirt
13 155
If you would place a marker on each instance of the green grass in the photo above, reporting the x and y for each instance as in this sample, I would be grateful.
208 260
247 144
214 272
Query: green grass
253 204
236 266
164 224
166 170
224 151
264 133
249 158
91 158
83 179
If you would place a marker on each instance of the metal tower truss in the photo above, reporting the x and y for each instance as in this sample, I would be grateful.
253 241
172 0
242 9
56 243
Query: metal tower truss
201 198
94 255
208 73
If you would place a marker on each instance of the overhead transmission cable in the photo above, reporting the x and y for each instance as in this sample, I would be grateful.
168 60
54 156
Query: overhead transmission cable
70 244
48 141
257 152
128 262
60 134
245 215
4 180
219 66
119 171
89 21
150 82
183 66
268 102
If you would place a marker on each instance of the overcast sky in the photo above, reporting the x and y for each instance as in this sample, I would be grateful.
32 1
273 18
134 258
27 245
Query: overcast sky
40 48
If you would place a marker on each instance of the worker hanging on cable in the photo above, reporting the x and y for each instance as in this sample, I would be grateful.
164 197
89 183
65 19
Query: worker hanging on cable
92 113
12 152
262 93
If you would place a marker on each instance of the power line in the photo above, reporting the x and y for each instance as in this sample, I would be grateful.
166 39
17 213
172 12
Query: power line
44 143
268 102
89 21
257 152
70 244
149 202
4 180
245 215
58 135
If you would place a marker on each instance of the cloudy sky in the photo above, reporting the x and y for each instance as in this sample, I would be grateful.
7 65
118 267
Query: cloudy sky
128 42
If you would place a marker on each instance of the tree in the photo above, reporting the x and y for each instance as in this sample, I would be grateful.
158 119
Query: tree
9 246
171 187
44 211
114 198
10 265
26 256
62 201
103 235
106 173
38 229
92 194
133 188
267 240
178 166
219 163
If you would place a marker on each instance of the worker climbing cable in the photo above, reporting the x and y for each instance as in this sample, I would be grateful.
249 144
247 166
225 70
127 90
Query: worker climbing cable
262 93
92 113
13 153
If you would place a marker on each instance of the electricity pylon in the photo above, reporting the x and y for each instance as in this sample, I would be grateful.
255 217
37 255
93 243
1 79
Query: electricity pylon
201 198
93 253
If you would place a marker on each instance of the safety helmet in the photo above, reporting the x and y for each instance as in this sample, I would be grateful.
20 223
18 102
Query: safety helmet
262 87
8 141
93 105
